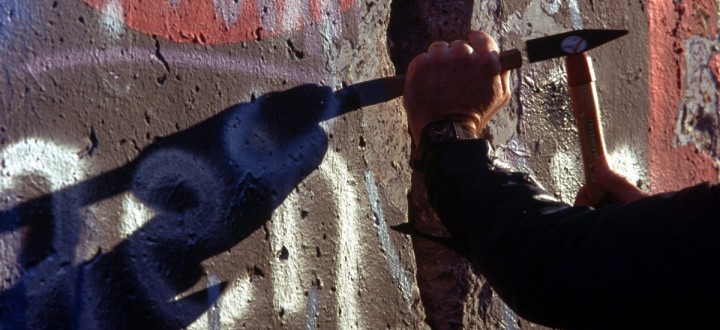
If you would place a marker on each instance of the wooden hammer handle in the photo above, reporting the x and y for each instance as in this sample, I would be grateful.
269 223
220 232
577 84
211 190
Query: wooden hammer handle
586 109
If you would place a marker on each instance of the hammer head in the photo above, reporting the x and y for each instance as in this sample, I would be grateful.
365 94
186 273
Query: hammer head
568 43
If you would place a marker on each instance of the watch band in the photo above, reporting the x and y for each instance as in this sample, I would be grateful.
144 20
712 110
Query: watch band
440 132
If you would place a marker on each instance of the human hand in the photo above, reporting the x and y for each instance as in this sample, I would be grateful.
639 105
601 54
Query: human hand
461 80
618 188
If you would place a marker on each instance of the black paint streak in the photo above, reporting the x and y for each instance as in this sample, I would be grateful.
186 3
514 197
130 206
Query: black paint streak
161 58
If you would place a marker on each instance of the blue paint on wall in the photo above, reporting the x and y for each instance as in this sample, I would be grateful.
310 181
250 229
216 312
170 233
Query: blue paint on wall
15 18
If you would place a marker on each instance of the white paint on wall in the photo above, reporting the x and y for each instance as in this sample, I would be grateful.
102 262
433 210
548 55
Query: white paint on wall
234 304
329 28
135 214
626 163
349 258
698 112
113 18
553 7
509 318
213 294
191 181
231 307
228 10
62 167
388 248
566 173
311 314
268 11
200 60
537 19
10 251
294 14
285 237
168 169
60 164
575 14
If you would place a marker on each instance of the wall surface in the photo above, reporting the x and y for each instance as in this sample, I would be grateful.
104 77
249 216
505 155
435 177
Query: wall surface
163 165
179 164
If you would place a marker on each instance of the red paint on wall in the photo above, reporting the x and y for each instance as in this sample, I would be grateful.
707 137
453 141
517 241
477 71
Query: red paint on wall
671 167
221 21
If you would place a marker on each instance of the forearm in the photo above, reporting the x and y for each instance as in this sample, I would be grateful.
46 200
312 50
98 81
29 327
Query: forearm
559 265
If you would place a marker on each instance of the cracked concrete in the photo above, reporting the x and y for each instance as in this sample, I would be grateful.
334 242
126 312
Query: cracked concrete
161 165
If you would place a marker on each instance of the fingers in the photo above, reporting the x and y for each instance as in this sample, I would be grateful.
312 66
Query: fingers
455 48
478 42
618 186
482 42
441 50
582 198
438 48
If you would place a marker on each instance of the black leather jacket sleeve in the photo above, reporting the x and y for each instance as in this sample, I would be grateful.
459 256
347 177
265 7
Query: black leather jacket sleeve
578 267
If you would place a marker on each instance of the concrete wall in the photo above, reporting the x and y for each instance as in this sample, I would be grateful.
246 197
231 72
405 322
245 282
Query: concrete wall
163 163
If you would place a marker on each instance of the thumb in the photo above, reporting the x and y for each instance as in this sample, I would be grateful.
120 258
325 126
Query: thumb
620 188
583 198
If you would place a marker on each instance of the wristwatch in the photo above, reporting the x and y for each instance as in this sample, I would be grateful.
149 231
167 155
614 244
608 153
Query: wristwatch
441 132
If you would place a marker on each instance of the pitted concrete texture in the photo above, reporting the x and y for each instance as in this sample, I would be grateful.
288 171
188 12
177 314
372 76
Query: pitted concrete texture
536 133
163 163
161 168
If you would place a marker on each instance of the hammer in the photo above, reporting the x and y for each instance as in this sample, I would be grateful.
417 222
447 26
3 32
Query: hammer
581 85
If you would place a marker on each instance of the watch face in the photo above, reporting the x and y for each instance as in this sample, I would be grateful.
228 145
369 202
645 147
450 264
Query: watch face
441 132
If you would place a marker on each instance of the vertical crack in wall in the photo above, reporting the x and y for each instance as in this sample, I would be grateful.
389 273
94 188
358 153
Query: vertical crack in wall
161 58
416 24
441 274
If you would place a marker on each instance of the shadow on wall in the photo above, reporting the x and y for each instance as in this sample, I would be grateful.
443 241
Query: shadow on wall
258 152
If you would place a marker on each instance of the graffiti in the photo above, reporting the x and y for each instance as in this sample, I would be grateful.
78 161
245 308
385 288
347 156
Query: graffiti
170 215
697 121
52 167
228 10
147 56
229 308
111 18
287 258
683 99
312 310
14 15
176 214
190 209
553 7
47 241
386 245
219 21
347 274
